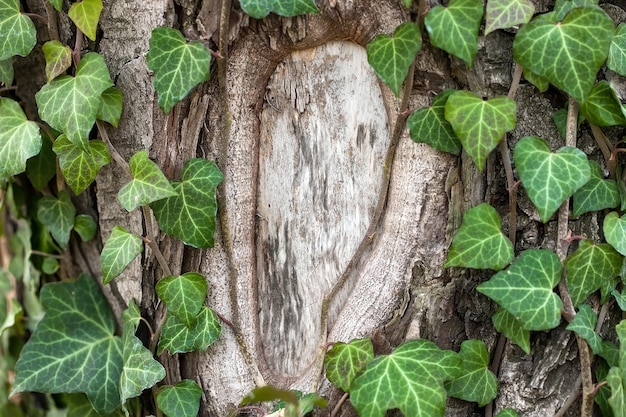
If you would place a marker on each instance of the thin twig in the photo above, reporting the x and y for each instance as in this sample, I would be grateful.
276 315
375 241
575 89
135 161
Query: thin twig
607 150
337 407
152 244
114 153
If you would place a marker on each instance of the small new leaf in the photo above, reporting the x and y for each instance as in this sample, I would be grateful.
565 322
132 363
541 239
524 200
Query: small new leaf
525 289
57 214
148 184
583 325
261 8
178 338
119 250
476 382
58 58
19 139
506 323
597 193
178 66
85 226
549 178
344 362
391 57
504 14
19 35
455 28
429 125
85 15
614 228
81 165
183 295
479 243
181 400
110 109
480 124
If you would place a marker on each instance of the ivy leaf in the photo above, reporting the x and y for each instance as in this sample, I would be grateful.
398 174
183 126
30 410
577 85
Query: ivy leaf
42 167
183 295
261 8
596 194
181 400
614 229
589 267
602 107
506 323
75 335
617 401
617 52
81 165
70 104
479 243
49 266
110 109
19 139
429 125
507 412
455 28
553 50
410 378
269 393
119 250
476 382
85 226
58 58
541 83
6 71
140 371
19 35
583 325
620 298
392 57
563 7
178 338
78 405
479 124
85 15
344 362
549 178
190 215
525 289
58 4
504 14
148 184
178 66
57 214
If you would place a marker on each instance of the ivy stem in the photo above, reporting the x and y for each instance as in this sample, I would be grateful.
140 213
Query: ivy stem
607 149
337 407
114 153
53 28
46 254
37 17
149 239
78 47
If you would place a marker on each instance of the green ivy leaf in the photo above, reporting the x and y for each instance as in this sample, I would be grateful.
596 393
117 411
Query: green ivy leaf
344 362
429 125
507 412
6 71
617 52
183 295
110 109
554 50
596 194
190 215
181 400
455 28
75 335
78 405
261 8
617 401
615 231
81 165
479 243
504 14
42 167
70 104
589 267
85 226
392 57
479 124
148 184
563 7
178 66
620 298
541 83
57 214
549 178
140 370
178 338
602 107
85 15
19 35
269 393
58 58
525 289
119 250
58 4
19 139
49 266
411 379
476 382
506 323
583 325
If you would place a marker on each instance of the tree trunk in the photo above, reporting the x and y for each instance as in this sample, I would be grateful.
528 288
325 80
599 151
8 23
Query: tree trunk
317 192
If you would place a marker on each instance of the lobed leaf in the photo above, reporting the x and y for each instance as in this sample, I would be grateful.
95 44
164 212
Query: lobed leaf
85 15
391 57
176 337
525 289
19 33
597 193
429 125
178 66
80 165
183 295
476 382
614 228
261 8
617 51
504 14
58 58
549 178
602 107
118 252
541 83
563 7
455 28
57 214
85 226
190 215
506 323
553 50
42 167
344 362
181 400
110 109
479 243
6 71
480 124
583 325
